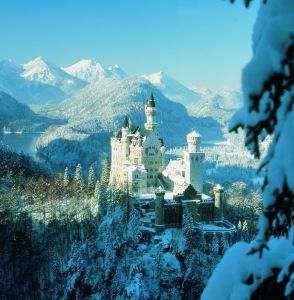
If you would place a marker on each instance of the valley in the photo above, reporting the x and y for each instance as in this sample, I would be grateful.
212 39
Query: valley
95 101
55 173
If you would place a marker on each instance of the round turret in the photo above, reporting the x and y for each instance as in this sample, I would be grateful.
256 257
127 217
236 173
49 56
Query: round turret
159 210
218 191
194 141
151 114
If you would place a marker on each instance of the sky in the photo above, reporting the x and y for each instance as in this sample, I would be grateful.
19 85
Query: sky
198 42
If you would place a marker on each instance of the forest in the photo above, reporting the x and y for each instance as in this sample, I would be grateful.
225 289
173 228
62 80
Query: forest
69 236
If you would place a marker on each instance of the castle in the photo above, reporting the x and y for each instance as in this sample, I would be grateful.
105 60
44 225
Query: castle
164 192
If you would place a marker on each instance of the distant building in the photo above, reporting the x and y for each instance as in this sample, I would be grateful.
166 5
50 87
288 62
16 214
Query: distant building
164 193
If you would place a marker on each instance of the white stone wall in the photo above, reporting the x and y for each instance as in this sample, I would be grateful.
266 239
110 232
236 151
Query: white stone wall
193 163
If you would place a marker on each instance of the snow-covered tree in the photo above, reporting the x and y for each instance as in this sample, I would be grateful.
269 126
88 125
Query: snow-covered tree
134 223
104 195
268 88
65 177
96 190
91 179
188 229
78 178
241 203
214 245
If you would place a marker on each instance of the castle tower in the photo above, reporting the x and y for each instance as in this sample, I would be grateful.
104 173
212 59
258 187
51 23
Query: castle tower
125 130
218 192
151 114
193 159
159 210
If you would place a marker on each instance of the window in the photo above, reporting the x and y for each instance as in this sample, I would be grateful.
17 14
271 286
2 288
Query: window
136 176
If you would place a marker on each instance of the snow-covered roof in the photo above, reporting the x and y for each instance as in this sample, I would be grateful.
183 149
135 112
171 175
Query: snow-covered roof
206 198
133 168
175 164
194 133
191 201
218 227
146 196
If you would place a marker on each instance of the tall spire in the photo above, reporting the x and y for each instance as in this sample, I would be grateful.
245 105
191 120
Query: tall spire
151 101
126 122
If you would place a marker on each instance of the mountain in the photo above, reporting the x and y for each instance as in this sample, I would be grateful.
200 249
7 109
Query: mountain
15 116
115 71
200 102
201 91
220 105
42 71
91 71
172 89
100 108
26 91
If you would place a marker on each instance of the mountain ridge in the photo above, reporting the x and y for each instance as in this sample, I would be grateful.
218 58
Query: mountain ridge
16 116
45 72
91 71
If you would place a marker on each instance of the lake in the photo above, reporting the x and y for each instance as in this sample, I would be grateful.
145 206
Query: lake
22 142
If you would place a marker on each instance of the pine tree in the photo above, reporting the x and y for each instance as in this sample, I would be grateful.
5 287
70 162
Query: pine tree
96 190
134 223
214 245
91 179
78 179
189 230
65 177
105 173
104 195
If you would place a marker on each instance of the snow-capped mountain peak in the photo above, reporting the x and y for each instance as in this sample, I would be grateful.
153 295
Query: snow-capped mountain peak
87 70
40 70
172 89
157 78
91 71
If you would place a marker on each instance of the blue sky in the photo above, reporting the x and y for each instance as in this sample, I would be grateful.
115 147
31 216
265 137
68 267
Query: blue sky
201 42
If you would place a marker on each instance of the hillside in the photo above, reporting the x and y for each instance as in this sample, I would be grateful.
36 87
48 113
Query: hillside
200 102
220 105
173 89
26 91
100 108
15 116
